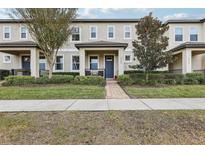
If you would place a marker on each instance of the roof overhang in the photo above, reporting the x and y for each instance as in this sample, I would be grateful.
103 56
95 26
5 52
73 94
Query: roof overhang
101 44
19 44
188 45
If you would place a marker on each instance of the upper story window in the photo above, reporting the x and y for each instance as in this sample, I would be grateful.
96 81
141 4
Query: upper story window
193 34
110 32
7 33
93 32
75 34
127 32
178 34
23 32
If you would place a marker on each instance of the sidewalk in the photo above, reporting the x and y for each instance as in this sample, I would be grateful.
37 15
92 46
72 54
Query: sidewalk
102 104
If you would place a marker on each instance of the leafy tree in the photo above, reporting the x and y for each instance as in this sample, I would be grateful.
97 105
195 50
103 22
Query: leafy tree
150 45
49 27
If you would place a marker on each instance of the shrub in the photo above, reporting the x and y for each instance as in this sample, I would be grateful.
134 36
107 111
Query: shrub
125 80
195 76
26 80
90 80
4 73
179 78
169 81
18 80
67 73
190 81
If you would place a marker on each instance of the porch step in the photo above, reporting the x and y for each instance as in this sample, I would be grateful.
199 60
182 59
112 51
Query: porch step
114 91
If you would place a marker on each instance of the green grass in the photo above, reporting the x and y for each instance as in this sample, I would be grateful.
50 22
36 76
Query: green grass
113 127
67 91
179 91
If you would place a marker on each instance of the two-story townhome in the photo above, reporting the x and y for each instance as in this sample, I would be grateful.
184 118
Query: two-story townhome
99 47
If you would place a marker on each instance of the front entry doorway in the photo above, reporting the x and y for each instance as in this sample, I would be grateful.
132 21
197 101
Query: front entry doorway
109 66
26 65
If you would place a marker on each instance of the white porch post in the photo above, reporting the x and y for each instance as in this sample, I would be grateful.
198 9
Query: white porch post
34 62
187 61
82 62
120 61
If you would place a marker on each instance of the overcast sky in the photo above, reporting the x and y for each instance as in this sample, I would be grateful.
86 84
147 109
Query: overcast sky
163 14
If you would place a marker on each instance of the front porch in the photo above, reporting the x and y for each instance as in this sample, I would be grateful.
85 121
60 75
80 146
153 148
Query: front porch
101 58
190 57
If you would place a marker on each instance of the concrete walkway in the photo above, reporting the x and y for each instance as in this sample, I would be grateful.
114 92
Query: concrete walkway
102 104
114 91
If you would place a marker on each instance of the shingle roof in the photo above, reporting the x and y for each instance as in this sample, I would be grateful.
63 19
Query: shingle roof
18 44
188 45
100 44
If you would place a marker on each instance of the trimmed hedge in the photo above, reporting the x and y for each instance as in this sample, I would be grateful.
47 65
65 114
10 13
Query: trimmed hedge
125 80
90 80
4 73
67 73
194 78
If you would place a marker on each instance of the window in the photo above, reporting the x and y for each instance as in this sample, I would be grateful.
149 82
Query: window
93 62
42 63
7 33
93 32
111 33
75 63
7 59
59 63
193 34
178 34
128 58
127 32
23 32
75 34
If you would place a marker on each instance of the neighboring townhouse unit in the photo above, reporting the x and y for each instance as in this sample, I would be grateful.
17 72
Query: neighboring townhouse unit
99 47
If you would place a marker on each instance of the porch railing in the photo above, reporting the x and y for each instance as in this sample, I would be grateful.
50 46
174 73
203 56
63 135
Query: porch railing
21 72
98 72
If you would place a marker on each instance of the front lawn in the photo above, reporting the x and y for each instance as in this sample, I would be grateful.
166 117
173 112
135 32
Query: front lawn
115 127
178 91
66 91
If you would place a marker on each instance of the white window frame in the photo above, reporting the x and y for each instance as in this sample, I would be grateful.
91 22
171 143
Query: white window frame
4 59
108 32
79 34
96 32
190 34
93 55
71 61
54 69
20 33
130 58
4 27
129 31
182 34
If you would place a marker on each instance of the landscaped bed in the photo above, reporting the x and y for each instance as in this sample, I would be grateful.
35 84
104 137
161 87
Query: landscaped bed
116 127
176 91
57 91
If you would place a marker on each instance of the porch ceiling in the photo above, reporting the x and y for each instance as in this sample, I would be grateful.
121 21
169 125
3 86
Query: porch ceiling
101 44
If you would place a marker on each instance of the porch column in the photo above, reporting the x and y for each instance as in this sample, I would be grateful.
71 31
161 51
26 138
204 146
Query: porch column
120 62
82 62
187 61
34 62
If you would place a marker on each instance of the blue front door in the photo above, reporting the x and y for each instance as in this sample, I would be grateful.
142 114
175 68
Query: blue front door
109 66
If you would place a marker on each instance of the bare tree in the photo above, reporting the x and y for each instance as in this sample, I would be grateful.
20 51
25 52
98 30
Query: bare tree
49 27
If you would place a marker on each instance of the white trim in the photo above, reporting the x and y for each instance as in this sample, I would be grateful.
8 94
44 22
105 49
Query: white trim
190 34
107 54
4 60
129 31
20 33
182 34
108 26
54 68
128 50
9 33
90 32
130 61
79 34
71 62
90 55
68 50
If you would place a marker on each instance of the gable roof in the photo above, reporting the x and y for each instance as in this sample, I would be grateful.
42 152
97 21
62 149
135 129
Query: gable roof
100 44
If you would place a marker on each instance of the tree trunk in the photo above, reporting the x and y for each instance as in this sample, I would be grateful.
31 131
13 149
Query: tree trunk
146 77
50 71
